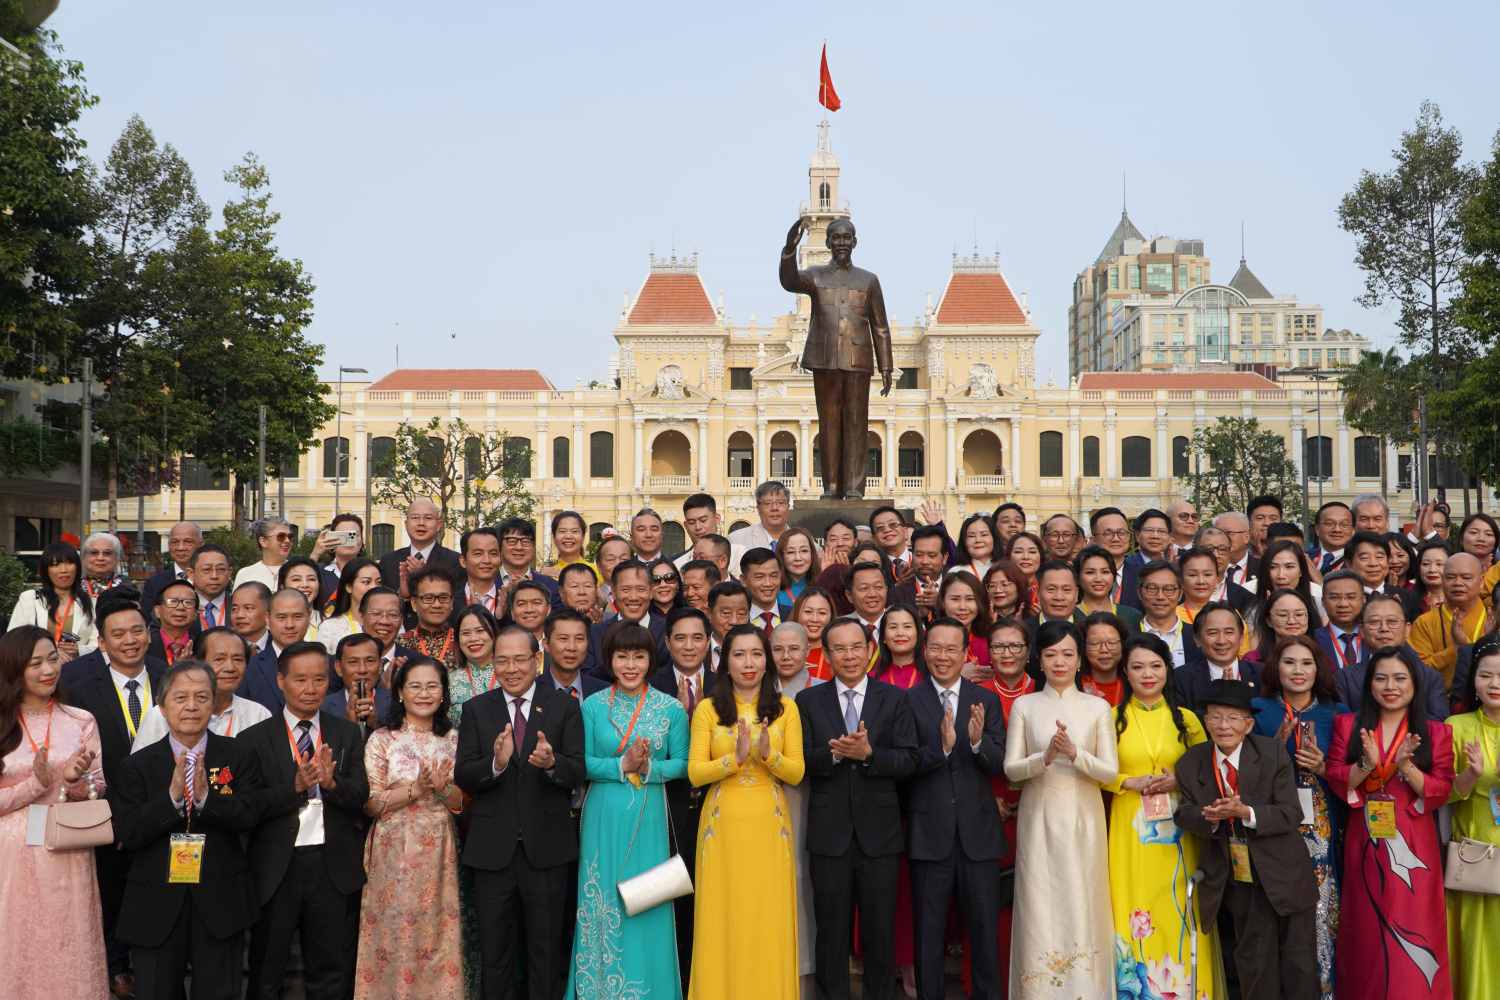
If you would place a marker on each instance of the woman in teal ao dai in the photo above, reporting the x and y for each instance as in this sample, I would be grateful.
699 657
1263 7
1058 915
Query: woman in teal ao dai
635 740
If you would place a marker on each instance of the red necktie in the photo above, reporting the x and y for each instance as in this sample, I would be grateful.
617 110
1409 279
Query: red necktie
1232 775
768 621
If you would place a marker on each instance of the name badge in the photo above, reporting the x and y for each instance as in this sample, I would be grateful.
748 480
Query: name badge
186 862
1305 799
1156 807
1494 804
1380 818
36 826
1239 859
310 824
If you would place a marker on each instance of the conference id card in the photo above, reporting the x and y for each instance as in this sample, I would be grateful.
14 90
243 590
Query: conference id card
36 826
1239 859
310 824
1156 807
1305 800
185 865
1380 817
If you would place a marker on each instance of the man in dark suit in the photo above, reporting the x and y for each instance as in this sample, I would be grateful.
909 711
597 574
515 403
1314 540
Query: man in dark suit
186 902
1219 632
1344 604
1369 559
424 525
1238 793
859 742
176 627
115 684
1333 526
360 698
631 583
182 540
518 558
307 854
1384 624
1153 533
956 839
929 555
288 624
567 636
520 755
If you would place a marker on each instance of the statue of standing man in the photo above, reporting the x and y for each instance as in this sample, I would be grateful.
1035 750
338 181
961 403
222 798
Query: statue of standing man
848 337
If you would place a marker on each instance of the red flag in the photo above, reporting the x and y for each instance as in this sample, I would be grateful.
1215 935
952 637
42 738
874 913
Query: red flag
827 96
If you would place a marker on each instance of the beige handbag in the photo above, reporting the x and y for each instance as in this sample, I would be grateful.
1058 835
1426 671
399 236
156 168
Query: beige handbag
1473 866
660 883
77 826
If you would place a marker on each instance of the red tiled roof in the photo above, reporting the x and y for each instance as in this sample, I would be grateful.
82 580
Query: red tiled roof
982 298
472 379
1174 380
672 300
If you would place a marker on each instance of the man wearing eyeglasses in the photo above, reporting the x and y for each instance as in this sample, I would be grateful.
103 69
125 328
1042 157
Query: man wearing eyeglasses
774 505
1160 590
1236 528
1216 540
176 614
1060 536
518 559
424 526
1111 532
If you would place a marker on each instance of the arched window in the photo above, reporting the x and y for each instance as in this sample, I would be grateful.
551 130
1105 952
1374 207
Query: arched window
382 538
737 525
911 456
560 446
602 455
518 456
1317 456
741 456
1367 457
673 539
473 456
1049 455
1091 456
1135 458
671 455
596 530
873 460
783 455
336 458
382 455
1179 456
825 194
430 458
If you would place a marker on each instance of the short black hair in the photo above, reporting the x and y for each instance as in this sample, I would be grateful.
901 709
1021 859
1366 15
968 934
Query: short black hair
1104 512
578 567
929 531
626 636
1329 506
858 567
840 622
1158 566
1211 607
728 588
110 605
1264 500
937 623
518 526
1056 566
1284 529
1090 552
844 522
205 549
427 571
755 557
354 639
630 565
364 602
1150 513
463 540
698 501
707 567
687 611
884 508
1343 574
296 649
178 581
564 615
1365 538
1010 505
200 641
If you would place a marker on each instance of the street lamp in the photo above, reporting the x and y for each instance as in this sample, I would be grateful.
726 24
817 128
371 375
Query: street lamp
340 464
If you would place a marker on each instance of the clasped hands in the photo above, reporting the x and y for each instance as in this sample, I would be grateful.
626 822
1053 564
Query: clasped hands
315 769
1226 808
854 746
178 788
542 755
1061 745
1152 784
742 741
949 731
73 769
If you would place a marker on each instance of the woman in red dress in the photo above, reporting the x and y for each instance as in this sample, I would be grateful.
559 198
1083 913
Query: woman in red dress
813 610
962 597
1009 655
1394 767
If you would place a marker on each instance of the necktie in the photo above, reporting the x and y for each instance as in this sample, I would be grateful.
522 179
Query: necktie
133 703
1348 640
210 615
518 724
181 575
1231 776
305 750
574 692
851 714
1232 672
190 781
1326 562
1230 574
947 702
768 622
418 557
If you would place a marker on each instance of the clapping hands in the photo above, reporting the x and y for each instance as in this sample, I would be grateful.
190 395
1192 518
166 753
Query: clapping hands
855 746
1060 746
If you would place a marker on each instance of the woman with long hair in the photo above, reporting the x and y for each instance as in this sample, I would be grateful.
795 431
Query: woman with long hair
570 537
666 586
358 577
1478 536
635 740
1104 638
1005 588
61 605
797 552
1149 859
1298 704
962 598
1284 566
1097 574
409 929
48 750
1060 748
1286 613
977 547
1427 583
813 610
1394 768
746 744
1403 560
1474 917
1025 550
900 658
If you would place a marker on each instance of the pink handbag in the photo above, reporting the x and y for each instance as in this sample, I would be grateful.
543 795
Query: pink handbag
77 826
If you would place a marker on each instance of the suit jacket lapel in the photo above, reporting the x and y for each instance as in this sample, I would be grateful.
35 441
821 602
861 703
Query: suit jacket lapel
109 701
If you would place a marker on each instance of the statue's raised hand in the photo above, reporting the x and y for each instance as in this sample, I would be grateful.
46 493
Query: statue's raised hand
794 235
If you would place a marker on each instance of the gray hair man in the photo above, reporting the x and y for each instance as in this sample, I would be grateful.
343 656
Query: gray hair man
1371 513
1237 527
774 505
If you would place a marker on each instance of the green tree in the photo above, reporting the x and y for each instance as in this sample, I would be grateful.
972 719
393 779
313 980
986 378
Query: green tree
1378 399
1409 239
238 299
14 579
1472 410
145 202
27 446
473 478
1236 459
45 202
1477 306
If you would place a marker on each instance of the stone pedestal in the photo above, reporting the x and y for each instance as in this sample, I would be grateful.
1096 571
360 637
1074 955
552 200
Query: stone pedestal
817 515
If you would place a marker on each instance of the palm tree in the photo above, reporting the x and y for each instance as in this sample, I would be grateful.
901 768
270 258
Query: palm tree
1379 394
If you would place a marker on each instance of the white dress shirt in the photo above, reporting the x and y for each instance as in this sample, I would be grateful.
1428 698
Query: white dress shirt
528 700
1172 637
1233 759
859 695
959 725
258 572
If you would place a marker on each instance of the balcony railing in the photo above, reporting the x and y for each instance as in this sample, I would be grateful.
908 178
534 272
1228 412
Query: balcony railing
669 484
910 484
983 484
742 482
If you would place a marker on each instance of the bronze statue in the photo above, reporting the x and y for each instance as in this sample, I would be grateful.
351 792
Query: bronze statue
848 336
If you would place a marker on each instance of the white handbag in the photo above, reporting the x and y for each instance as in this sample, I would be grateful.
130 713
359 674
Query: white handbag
1473 866
660 883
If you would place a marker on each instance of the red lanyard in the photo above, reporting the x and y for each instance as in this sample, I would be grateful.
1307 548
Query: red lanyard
47 737
494 680
292 742
1291 714
64 613
1338 649
640 703
1387 766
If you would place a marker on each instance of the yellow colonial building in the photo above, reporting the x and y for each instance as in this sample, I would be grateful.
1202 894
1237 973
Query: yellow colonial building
695 402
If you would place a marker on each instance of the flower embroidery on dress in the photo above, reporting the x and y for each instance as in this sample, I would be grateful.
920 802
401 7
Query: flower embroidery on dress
597 956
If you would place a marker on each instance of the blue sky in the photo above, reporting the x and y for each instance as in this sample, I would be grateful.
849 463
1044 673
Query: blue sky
482 183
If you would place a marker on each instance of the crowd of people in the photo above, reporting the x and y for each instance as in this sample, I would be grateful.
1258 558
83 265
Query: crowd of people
1144 757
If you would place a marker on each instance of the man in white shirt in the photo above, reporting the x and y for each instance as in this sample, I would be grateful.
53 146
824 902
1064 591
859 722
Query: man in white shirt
228 654
866 588
720 551
1160 588
479 555
774 505
645 534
